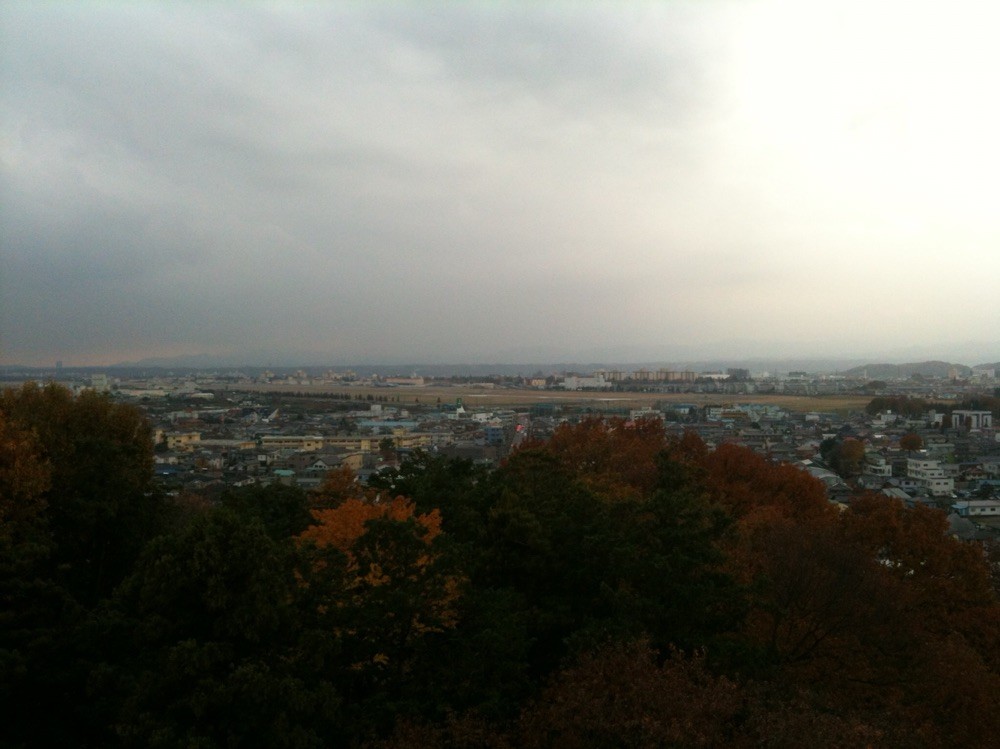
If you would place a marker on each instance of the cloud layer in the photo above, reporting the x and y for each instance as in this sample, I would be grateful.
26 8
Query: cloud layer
447 182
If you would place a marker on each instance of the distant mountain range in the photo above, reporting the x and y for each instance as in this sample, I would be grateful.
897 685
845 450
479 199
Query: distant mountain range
472 369
314 365
923 369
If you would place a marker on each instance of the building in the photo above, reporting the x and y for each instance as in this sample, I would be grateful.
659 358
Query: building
877 465
971 419
407 381
292 442
182 441
100 382
930 476
597 382
494 434
978 508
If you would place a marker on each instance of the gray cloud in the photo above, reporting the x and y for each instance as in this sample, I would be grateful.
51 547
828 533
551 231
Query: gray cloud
448 182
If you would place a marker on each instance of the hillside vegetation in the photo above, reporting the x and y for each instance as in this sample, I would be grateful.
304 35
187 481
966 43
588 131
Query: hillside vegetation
608 588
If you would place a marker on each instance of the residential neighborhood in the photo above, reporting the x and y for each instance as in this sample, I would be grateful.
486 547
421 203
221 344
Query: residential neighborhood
218 430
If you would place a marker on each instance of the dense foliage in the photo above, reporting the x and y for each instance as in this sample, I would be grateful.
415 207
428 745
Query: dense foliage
904 405
610 587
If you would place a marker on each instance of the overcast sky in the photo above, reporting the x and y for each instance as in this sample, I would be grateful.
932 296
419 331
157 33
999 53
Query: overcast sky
499 182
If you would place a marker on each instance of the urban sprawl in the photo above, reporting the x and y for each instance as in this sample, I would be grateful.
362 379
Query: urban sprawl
930 439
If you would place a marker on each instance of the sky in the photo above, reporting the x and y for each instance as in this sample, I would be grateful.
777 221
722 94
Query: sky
346 182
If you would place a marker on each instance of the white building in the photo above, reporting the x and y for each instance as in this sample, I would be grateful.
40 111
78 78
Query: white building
930 475
978 508
100 382
974 419
877 465
584 383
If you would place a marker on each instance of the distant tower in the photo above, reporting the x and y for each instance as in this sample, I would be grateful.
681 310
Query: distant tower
59 369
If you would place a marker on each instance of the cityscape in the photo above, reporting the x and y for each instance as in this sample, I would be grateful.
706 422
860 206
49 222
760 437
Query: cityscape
219 429
499 375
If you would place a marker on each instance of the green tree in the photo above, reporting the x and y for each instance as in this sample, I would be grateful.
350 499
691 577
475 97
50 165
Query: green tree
203 644
591 567
283 510
446 484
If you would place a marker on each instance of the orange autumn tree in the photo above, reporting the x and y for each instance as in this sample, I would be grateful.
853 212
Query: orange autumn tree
343 525
339 485
396 587
614 458
746 483
874 606
810 589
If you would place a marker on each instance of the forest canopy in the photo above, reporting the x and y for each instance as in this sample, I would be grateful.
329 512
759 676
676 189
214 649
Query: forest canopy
609 587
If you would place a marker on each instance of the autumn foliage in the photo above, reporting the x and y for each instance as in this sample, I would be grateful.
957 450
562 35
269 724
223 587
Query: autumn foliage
25 476
343 525
614 458
612 586
338 486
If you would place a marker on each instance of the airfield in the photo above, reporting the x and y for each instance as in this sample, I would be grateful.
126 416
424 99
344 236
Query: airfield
478 396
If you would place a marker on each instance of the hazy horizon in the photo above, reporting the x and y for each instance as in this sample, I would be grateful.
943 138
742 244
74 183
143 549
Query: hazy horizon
488 182
758 365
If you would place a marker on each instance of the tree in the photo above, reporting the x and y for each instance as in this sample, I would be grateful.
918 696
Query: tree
911 441
339 485
343 525
397 597
850 457
843 456
593 563
25 477
615 458
283 510
207 644
744 483
621 696
449 485
900 404
101 505
79 505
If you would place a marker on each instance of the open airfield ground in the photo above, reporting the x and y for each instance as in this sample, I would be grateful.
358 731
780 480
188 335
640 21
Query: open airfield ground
474 396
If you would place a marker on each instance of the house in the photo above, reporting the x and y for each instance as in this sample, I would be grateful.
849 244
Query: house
905 483
897 494
877 465
284 476
978 508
